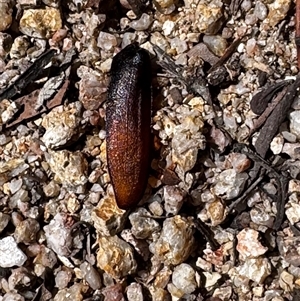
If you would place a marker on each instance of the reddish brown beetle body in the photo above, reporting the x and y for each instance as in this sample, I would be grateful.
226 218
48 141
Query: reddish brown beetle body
128 120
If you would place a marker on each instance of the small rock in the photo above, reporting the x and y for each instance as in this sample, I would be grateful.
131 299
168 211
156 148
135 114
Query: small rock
278 11
183 278
58 235
211 278
216 212
142 23
179 45
63 278
295 123
107 217
92 90
286 281
216 44
19 47
260 10
115 257
134 292
289 249
10 254
277 145
168 27
165 3
5 15
4 219
174 198
209 17
292 149
91 275
69 168
140 246
248 244
62 125
256 269
40 23
168 247
106 41
113 292
228 184
74 293
142 226
26 231
52 189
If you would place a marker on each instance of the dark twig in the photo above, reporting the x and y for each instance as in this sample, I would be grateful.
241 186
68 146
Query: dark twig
297 34
229 51
281 183
207 233
275 119
246 193
260 100
262 119
28 76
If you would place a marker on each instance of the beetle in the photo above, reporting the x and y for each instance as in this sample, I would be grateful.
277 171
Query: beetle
128 124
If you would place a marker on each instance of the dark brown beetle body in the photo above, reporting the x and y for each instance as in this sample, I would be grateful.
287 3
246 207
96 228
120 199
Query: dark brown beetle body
128 120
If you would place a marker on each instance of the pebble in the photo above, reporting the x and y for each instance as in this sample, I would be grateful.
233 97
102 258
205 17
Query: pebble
277 145
106 41
216 44
248 244
168 27
228 184
165 3
113 293
183 278
5 15
51 189
208 16
174 198
63 278
45 257
115 257
91 275
40 23
128 38
108 218
92 89
134 292
10 253
260 10
211 278
179 45
19 47
143 23
278 11
294 118
187 139
168 248
12 296
255 269
216 212
26 231
293 212
74 293
58 236
286 281
143 226
292 149
62 125
4 220
70 169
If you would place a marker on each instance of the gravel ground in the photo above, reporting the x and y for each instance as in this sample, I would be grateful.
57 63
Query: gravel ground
220 218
